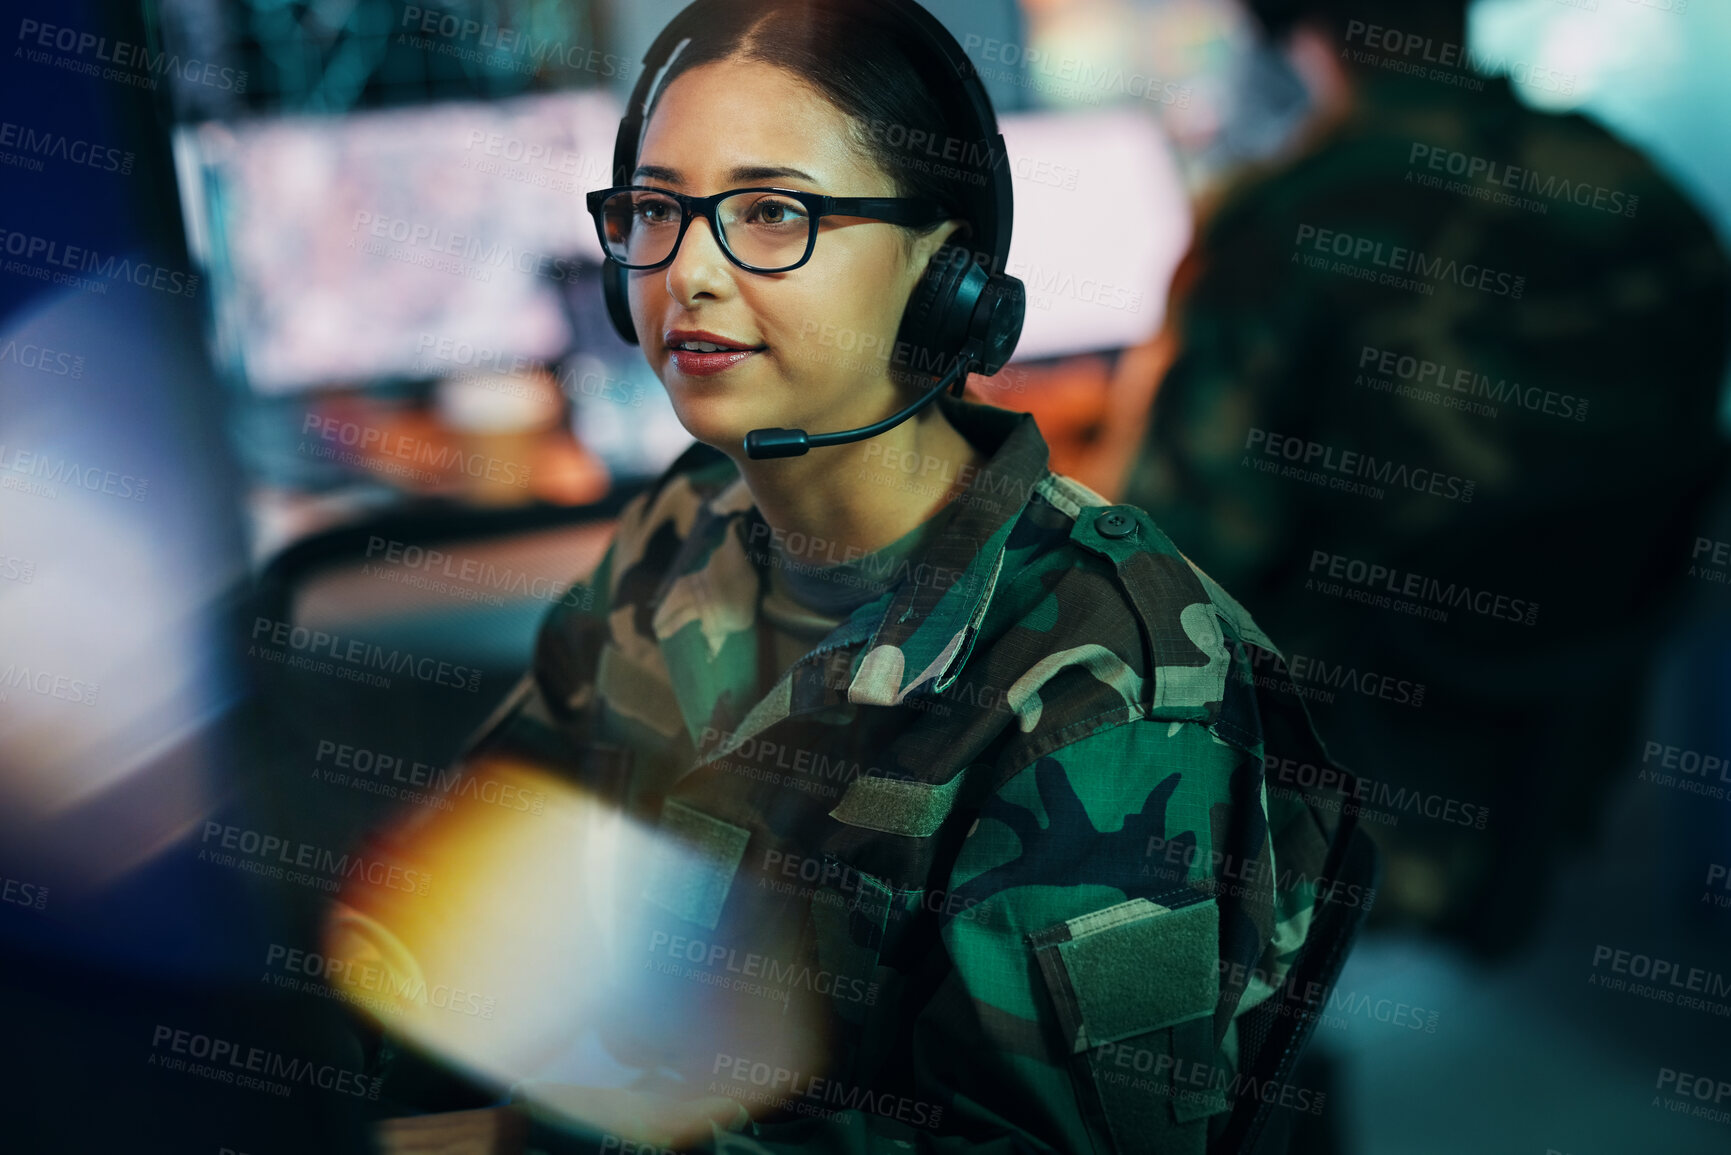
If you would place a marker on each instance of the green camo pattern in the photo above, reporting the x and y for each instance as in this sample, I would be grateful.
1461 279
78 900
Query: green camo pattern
1034 786
1569 426
1571 307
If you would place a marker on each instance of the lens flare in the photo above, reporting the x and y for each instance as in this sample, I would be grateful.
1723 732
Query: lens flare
523 935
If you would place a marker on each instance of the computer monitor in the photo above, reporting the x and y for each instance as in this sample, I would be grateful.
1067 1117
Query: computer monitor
1102 220
346 250
418 242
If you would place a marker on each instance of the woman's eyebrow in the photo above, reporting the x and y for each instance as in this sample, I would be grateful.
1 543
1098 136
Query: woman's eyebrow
744 173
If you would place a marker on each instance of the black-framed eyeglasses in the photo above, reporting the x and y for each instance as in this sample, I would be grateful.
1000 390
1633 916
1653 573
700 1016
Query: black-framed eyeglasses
762 230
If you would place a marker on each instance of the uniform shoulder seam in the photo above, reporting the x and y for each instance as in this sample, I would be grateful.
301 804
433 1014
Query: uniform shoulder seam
1232 613
1066 494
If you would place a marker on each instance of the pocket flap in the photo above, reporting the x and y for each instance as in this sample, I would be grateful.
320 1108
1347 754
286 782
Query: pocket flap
1130 969
637 692
695 859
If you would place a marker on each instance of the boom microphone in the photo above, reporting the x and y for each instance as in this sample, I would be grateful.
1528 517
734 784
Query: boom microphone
765 443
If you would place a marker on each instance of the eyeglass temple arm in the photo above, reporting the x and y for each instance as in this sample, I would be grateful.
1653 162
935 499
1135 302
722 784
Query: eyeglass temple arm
894 210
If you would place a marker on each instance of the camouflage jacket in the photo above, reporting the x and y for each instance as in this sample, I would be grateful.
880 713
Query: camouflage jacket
1456 339
1421 370
1005 828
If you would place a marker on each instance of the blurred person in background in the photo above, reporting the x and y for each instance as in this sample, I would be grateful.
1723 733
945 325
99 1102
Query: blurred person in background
1442 413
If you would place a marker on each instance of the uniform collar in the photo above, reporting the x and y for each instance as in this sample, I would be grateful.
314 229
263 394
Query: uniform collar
918 641
934 616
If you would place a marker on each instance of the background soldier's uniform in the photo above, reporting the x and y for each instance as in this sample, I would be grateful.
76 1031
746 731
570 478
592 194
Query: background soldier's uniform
1049 858
1604 372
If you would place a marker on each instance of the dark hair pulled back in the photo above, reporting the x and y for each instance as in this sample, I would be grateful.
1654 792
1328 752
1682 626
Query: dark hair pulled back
899 97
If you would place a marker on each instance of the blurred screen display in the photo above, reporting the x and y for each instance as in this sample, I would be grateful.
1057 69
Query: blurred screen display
390 244
408 243
1089 287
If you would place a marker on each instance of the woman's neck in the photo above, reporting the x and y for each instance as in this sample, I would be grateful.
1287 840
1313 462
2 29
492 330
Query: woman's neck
844 501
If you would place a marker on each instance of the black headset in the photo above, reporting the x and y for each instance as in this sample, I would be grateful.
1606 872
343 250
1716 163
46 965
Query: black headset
959 314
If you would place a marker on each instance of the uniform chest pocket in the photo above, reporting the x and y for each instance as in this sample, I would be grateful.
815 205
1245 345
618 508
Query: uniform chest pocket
695 863
1134 989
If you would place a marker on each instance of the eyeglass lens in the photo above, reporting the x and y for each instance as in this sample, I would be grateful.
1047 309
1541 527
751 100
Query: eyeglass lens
764 230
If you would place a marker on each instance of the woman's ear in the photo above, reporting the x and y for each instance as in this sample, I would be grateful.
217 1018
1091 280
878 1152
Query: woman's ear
926 245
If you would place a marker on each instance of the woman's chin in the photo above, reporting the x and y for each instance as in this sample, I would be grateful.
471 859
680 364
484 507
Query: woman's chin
723 421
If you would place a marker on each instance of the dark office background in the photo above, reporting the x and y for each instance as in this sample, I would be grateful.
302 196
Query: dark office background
210 388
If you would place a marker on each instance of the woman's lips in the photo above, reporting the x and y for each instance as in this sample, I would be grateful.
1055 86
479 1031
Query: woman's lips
695 364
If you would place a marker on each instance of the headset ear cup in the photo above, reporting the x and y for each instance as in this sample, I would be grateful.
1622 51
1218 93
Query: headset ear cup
935 324
916 333
613 291
998 321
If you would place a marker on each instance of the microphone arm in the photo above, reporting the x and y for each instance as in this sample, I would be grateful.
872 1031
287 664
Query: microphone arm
763 443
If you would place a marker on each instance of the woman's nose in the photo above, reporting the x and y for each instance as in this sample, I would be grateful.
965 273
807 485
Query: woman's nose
699 269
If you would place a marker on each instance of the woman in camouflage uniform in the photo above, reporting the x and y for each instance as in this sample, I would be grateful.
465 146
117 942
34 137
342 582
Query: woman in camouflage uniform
964 765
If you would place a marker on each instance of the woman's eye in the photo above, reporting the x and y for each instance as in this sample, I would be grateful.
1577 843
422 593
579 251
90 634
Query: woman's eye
769 211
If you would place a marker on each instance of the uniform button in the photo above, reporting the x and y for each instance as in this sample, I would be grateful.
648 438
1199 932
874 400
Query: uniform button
1115 524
